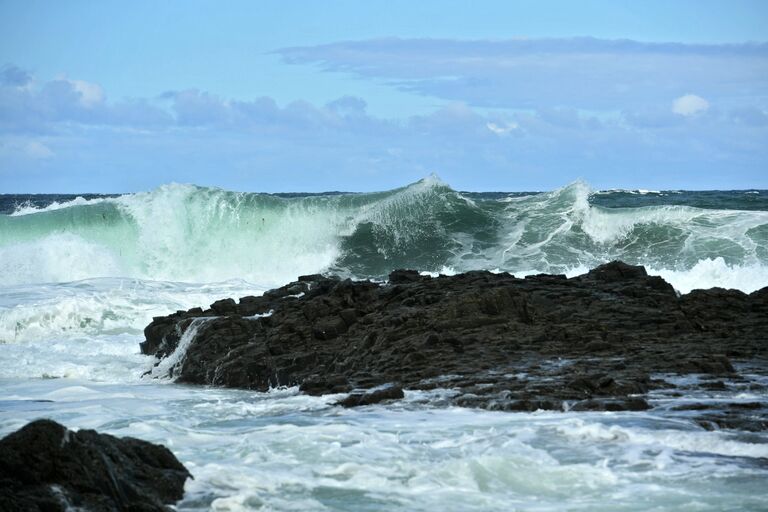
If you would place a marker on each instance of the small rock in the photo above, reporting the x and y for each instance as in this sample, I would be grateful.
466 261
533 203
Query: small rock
373 396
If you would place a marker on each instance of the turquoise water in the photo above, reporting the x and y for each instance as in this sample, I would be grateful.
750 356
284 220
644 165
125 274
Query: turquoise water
81 277
193 234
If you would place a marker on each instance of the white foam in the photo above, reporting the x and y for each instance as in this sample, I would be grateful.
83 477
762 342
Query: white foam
561 232
29 209
30 313
709 273
106 358
170 366
56 257
173 233
286 451
212 235
186 233
92 329
663 439
638 191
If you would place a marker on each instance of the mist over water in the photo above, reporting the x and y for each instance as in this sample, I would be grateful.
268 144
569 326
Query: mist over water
81 277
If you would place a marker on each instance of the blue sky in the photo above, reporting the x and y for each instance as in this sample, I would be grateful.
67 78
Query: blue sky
312 96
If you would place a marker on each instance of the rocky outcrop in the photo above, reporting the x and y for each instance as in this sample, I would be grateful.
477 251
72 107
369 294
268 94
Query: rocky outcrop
593 342
46 467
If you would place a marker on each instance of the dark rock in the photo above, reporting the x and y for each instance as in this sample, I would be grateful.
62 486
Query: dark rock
746 405
373 396
329 328
715 364
311 278
717 385
324 386
744 416
598 346
404 276
505 343
616 271
224 307
533 405
45 467
627 404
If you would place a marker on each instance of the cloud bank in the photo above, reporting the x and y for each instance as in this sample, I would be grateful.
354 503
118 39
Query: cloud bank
582 73
67 134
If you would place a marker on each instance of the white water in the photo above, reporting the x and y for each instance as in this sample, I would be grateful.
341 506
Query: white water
73 356
691 248
192 234
170 366
70 326
285 451
186 233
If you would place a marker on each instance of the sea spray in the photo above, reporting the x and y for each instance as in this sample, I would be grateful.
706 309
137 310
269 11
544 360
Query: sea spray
194 234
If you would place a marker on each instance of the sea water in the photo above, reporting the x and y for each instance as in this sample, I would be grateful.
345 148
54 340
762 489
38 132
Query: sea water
80 277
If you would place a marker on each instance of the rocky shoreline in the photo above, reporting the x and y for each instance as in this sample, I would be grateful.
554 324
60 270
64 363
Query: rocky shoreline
600 341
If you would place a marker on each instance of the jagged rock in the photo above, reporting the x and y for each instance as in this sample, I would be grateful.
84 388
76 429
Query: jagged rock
46 467
505 343
404 276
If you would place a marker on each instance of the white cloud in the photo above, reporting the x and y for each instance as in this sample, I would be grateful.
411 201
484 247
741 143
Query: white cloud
502 129
90 94
689 104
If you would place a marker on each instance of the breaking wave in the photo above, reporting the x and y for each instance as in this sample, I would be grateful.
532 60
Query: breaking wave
185 233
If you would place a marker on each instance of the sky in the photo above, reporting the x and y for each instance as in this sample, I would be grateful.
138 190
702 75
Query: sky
358 96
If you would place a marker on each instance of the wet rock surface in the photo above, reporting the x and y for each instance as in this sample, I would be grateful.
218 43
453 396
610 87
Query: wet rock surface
46 467
600 341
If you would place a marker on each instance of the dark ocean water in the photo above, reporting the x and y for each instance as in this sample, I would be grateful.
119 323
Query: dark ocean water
751 199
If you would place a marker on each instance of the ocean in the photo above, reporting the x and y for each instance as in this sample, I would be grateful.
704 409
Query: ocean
81 276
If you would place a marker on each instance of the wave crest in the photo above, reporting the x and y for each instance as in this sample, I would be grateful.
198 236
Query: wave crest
195 234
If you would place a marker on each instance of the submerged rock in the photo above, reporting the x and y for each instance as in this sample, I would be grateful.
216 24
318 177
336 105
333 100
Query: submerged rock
44 466
593 341
372 396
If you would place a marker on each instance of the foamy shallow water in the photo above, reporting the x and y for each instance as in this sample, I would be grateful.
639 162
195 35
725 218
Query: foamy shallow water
285 451
70 353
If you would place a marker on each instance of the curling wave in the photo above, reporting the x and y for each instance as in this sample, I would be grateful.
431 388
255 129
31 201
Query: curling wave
194 234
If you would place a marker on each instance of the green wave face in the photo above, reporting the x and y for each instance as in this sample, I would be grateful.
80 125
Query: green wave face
194 234
557 230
